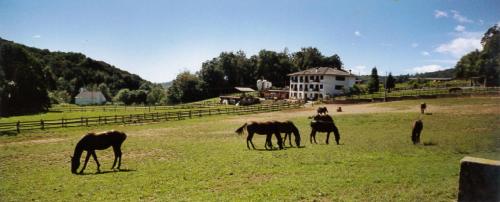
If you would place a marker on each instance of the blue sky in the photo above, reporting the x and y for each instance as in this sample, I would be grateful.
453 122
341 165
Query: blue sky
159 39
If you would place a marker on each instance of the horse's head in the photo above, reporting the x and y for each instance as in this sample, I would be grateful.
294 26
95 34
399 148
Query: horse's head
75 163
296 133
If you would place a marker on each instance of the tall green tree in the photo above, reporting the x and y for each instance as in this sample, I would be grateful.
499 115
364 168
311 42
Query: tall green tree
390 82
24 85
373 83
185 88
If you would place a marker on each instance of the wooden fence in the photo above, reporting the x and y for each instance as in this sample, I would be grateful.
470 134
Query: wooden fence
133 108
138 118
428 92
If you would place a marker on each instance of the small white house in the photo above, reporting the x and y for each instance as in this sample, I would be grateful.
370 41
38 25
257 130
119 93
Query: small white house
320 82
86 97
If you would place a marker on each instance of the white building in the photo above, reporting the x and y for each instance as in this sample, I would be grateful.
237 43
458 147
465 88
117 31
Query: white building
319 82
89 97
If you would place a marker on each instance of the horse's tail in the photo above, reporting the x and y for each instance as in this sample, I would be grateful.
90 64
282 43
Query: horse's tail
240 129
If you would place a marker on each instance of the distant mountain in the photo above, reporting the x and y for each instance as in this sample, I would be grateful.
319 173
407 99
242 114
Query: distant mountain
166 85
68 71
450 73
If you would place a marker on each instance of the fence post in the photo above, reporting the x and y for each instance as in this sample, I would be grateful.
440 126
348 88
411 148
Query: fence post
166 116
105 120
179 115
86 121
62 122
42 124
99 122
115 118
189 113
18 126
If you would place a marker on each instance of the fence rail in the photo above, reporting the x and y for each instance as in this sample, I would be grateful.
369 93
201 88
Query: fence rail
139 118
133 108
427 92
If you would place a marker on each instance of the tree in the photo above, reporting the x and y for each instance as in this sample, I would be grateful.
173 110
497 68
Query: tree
105 91
390 82
23 87
123 96
373 83
185 88
156 95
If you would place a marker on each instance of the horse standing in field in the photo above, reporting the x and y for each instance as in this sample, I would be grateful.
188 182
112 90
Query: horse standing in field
262 128
288 128
322 110
417 129
423 106
100 141
324 123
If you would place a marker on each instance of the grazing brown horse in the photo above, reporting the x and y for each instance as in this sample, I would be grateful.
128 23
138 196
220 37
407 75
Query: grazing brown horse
288 128
418 125
423 106
100 141
323 123
322 110
262 128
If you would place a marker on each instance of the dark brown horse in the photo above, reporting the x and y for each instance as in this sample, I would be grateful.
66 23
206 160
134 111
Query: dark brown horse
288 128
418 125
262 128
423 106
100 141
323 123
322 110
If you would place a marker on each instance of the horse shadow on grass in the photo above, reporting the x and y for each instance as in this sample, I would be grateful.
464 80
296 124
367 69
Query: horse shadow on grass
110 171
8 133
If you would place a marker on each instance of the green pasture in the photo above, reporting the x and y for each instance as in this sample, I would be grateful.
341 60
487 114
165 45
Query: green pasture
204 160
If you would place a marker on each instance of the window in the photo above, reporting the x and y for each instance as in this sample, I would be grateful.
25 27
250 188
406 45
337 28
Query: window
321 77
311 86
339 87
340 78
321 86
311 77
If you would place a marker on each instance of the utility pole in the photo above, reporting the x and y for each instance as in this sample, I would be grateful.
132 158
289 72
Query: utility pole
385 87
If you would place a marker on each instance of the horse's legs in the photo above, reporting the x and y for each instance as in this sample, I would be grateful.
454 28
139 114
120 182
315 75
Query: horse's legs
269 143
119 154
311 135
289 138
337 134
86 161
96 161
327 137
249 139
116 150
280 140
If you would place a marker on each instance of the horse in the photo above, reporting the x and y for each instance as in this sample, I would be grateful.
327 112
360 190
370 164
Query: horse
288 128
100 141
418 125
262 128
423 106
322 110
323 123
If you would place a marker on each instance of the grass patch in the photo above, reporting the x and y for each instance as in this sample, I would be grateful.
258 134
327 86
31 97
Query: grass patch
203 159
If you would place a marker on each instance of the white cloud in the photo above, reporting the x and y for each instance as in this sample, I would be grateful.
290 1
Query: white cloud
460 18
425 53
361 69
460 28
460 46
357 33
414 45
440 14
37 36
427 68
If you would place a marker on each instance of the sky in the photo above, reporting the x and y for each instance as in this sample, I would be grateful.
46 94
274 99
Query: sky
159 39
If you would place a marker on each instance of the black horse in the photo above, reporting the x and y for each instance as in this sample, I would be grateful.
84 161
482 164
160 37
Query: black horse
288 128
262 128
322 110
417 129
100 141
324 123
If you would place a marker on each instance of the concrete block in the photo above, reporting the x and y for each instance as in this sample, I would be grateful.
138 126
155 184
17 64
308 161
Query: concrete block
479 180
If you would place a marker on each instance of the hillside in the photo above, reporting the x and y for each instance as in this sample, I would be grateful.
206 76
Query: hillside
68 71
438 74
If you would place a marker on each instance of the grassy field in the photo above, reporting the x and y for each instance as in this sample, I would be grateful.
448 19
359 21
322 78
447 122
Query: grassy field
203 159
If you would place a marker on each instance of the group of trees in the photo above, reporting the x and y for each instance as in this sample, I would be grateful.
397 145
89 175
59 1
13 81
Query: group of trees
31 79
219 75
484 64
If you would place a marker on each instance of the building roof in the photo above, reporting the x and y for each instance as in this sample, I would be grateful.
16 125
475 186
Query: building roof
89 95
322 71
244 89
